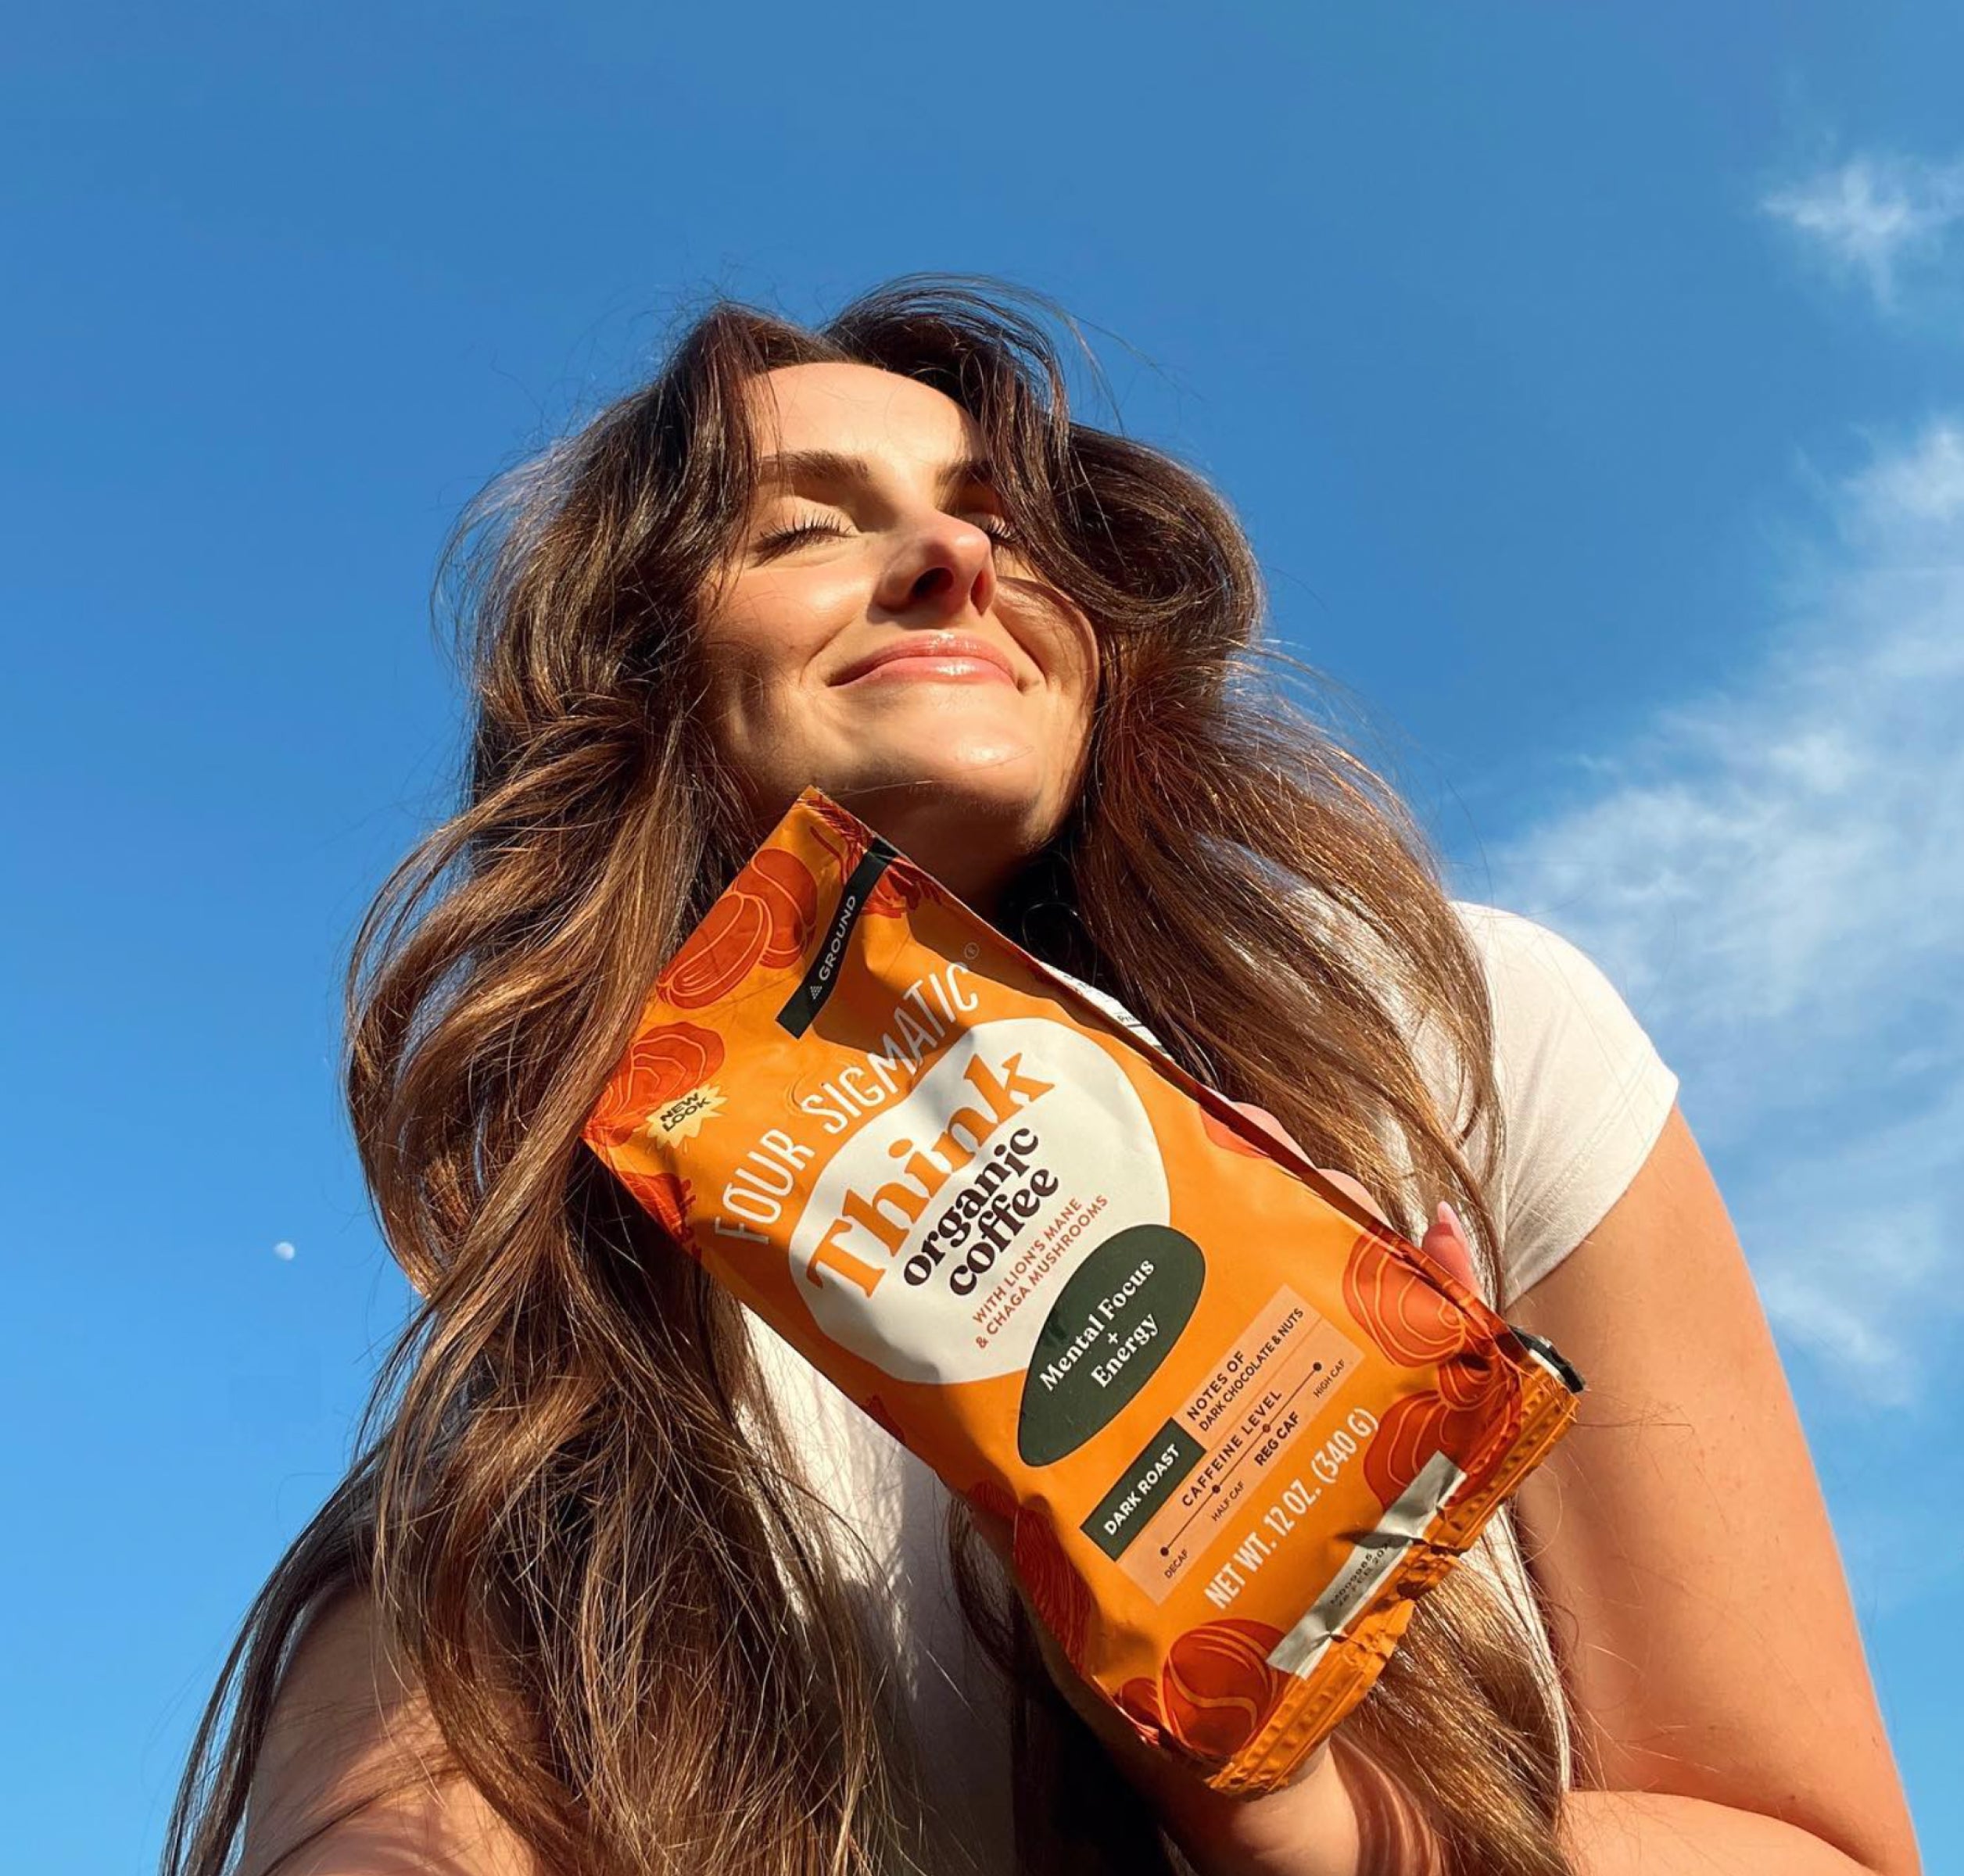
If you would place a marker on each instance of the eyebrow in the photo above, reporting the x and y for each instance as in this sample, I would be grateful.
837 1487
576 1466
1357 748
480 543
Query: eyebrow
833 466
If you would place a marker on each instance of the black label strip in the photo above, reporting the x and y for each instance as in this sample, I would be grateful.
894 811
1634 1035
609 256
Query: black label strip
810 997
1146 1484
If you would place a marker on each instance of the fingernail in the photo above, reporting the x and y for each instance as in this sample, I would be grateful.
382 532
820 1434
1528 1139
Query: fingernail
1450 1219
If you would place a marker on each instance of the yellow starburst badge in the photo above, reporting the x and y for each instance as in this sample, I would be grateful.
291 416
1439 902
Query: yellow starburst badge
682 1120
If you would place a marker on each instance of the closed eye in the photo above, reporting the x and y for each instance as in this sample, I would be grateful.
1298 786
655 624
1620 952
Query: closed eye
816 527
796 535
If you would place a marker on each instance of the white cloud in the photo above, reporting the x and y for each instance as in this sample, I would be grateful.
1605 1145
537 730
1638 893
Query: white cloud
1877 217
1775 875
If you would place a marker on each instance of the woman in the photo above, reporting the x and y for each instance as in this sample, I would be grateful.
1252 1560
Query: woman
618 1586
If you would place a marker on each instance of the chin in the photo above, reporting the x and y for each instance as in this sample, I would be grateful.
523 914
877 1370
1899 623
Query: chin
975 796
967 825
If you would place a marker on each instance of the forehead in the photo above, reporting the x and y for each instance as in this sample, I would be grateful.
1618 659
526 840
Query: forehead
860 410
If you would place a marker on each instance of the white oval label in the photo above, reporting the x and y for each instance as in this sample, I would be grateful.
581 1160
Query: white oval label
936 1240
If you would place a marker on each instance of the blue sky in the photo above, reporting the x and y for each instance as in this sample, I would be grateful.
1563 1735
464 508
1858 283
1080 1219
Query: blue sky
1589 383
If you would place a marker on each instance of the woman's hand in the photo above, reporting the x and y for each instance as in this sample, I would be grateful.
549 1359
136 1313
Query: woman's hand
1311 1826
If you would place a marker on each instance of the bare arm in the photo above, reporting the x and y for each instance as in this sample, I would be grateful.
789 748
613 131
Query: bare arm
1708 1639
1703 1620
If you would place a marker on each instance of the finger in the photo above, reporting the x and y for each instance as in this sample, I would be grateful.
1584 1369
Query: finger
1270 1125
1347 1183
1445 1240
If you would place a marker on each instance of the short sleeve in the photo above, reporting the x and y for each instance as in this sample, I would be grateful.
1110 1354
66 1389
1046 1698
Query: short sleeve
1583 1092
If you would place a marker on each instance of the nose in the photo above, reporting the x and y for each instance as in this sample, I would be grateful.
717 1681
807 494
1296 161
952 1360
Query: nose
946 567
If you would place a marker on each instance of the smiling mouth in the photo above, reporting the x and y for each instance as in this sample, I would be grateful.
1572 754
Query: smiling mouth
918 665
949 657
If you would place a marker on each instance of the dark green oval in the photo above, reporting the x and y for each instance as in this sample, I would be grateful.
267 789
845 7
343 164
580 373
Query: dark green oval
1063 1403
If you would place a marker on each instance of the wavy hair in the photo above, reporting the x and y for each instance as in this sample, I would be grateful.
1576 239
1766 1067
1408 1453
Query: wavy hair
573 1511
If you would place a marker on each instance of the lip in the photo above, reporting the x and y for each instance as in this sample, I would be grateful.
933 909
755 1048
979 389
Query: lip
930 654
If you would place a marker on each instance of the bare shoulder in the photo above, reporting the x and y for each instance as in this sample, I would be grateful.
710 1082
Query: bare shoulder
353 1774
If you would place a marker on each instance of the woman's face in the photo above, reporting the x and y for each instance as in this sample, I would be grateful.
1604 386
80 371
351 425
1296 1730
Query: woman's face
875 633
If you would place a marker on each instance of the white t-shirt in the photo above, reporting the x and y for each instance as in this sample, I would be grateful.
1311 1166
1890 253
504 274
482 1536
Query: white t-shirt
1583 1096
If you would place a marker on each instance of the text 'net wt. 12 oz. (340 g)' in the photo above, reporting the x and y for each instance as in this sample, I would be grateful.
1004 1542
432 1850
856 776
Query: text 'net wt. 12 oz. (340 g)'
1238 1424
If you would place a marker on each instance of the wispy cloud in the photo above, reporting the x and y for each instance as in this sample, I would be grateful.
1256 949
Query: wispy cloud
1775 876
1878 219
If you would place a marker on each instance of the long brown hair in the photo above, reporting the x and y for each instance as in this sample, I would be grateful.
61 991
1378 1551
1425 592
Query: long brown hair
573 1509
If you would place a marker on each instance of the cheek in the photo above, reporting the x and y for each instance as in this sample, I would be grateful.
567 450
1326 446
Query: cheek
759 642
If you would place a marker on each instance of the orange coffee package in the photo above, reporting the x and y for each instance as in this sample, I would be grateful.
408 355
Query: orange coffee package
1238 1424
